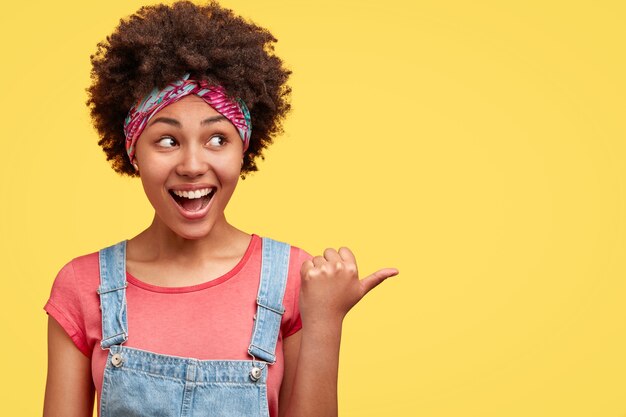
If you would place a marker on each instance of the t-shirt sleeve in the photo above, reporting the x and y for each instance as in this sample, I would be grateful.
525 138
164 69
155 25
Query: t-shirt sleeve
65 306
293 286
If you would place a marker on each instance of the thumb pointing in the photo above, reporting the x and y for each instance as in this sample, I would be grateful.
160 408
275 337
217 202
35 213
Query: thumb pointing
377 277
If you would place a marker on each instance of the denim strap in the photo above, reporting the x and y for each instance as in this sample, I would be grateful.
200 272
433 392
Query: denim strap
274 269
112 292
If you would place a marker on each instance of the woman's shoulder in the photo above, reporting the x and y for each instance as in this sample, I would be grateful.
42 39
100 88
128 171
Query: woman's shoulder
84 263
83 269
296 253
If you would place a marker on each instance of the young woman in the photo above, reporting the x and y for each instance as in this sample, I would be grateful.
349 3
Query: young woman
193 316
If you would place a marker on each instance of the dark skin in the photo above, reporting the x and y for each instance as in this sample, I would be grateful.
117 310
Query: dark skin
217 45
330 283
69 389
177 245
311 355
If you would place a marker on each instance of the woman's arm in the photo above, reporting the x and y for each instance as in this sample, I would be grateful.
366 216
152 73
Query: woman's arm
330 287
311 368
69 388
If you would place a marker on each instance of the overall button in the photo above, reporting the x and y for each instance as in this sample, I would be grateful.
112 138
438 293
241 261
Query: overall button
255 374
116 360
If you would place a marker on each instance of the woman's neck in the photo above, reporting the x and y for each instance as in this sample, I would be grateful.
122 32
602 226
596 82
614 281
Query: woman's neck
158 243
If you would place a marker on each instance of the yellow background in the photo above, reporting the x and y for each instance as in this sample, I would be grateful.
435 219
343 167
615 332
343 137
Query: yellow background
477 146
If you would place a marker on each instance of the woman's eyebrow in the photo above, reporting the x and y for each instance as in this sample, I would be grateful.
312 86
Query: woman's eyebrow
213 119
166 120
176 123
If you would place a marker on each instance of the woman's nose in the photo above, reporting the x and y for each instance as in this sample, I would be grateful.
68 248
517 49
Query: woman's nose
193 162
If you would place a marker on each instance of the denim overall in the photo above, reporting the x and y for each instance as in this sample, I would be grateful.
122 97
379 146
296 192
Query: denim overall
142 383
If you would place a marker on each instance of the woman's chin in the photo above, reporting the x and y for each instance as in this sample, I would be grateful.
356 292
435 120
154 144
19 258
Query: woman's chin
185 230
192 233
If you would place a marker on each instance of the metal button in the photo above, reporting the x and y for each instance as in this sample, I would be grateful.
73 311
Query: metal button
255 374
116 360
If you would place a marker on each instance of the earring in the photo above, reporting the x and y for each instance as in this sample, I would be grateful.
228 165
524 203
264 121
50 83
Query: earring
241 161
136 167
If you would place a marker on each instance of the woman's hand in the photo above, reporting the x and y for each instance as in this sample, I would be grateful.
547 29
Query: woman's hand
330 288
331 285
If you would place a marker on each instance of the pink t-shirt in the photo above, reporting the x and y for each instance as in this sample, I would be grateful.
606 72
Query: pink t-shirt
212 320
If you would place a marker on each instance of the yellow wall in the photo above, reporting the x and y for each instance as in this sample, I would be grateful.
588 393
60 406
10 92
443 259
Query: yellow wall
477 146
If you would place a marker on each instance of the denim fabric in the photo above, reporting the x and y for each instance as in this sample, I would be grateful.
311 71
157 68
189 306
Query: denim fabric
112 292
275 264
141 383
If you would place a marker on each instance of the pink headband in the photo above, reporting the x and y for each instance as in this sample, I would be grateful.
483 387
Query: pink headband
215 96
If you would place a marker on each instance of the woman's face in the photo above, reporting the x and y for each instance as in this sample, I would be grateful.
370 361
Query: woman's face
189 158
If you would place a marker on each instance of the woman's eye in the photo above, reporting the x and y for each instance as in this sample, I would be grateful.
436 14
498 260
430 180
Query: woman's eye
166 142
217 140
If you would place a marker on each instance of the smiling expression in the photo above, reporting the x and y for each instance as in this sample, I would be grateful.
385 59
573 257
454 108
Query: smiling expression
189 159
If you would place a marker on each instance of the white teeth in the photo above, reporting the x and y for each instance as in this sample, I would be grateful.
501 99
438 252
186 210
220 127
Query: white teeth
193 194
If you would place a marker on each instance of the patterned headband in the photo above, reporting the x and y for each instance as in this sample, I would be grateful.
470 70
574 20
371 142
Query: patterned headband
215 96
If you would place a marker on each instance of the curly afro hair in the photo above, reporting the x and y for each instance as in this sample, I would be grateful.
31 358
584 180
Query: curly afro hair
160 43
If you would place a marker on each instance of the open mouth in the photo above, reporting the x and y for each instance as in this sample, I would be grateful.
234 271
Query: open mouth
192 201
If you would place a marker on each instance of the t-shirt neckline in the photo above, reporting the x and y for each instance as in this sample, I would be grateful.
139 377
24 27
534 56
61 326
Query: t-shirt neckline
197 287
